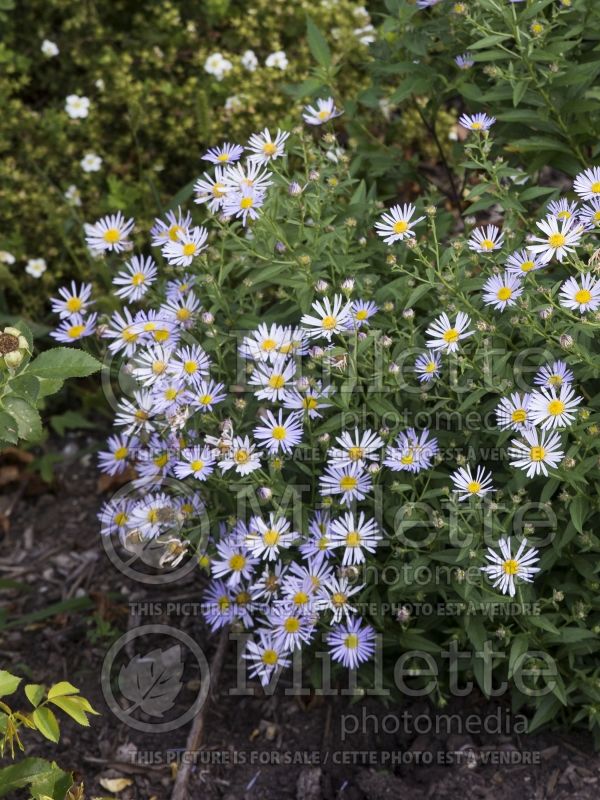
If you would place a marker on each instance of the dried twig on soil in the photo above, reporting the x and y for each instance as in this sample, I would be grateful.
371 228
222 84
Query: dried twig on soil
197 732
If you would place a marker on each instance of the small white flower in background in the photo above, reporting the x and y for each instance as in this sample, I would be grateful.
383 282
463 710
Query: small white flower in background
73 196
6 257
501 291
277 60
365 35
476 122
484 240
233 104
218 66
324 111
249 60
109 233
561 238
583 295
49 48
36 267
587 183
397 223
90 162
446 336
554 408
264 149
99 84
77 107
505 568
468 485
539 450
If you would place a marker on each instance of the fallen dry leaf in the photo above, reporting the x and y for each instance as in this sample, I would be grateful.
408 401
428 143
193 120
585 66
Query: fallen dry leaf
115 784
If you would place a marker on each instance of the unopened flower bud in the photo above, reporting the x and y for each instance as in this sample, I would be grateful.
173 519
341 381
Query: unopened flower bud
566 341
294 189
207 318
265 493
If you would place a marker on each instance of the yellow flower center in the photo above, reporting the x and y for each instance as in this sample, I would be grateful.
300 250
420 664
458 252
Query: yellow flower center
73 304
197 465
451 335
278 433
241 457
597 216
121 518
510 567
160 335
353 539
504 293
310 403
217 190
348 483
190 367
112 235
556 240
537 453
242 598
189 249
75 331
183 314
138 278
351 641
223 157
355 453
323 115
171 393
246 202
564 215
269 148
174 232
583 296
223 603
361 315
400 227
161 460
300 598
268 345
595 187
206 399
473 487
237 562
270 657
270 537
128 335
556 407
519 415
487 244
276 381
158 367
120 453
329 323
555 380
323 543
476 126
339 599
408 458
431 367
291 625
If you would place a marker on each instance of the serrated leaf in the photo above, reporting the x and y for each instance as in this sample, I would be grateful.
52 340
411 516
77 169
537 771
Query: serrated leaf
74 707
46 723
62 689
63 362
9 430
29 423
25 386
42 776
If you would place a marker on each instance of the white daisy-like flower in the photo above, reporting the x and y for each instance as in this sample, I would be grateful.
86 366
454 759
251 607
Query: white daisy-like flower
324 111
512 412
590 213
351 644
521 262
266 656
90 162
186 248
217 65
427 366
468 485
195 461
274 380
266 539
562 236
539 450
358 449
237 177
72 301
277 433
264 148
249 60
225 153
485 240
555 407
277 60
244 203
6 257
330 318
351 482
211 190
169 230
335 596
397 223
36 267
241 456
506 568
356 534
501 291
563 208
264 343
109 233
77 107
554 375
582 295
137 277
446 336
476 122
587 183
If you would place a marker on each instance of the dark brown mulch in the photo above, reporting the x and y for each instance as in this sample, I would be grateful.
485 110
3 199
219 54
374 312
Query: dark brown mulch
256 747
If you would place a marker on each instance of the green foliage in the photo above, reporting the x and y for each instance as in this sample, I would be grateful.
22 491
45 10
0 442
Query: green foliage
44 779
26 382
